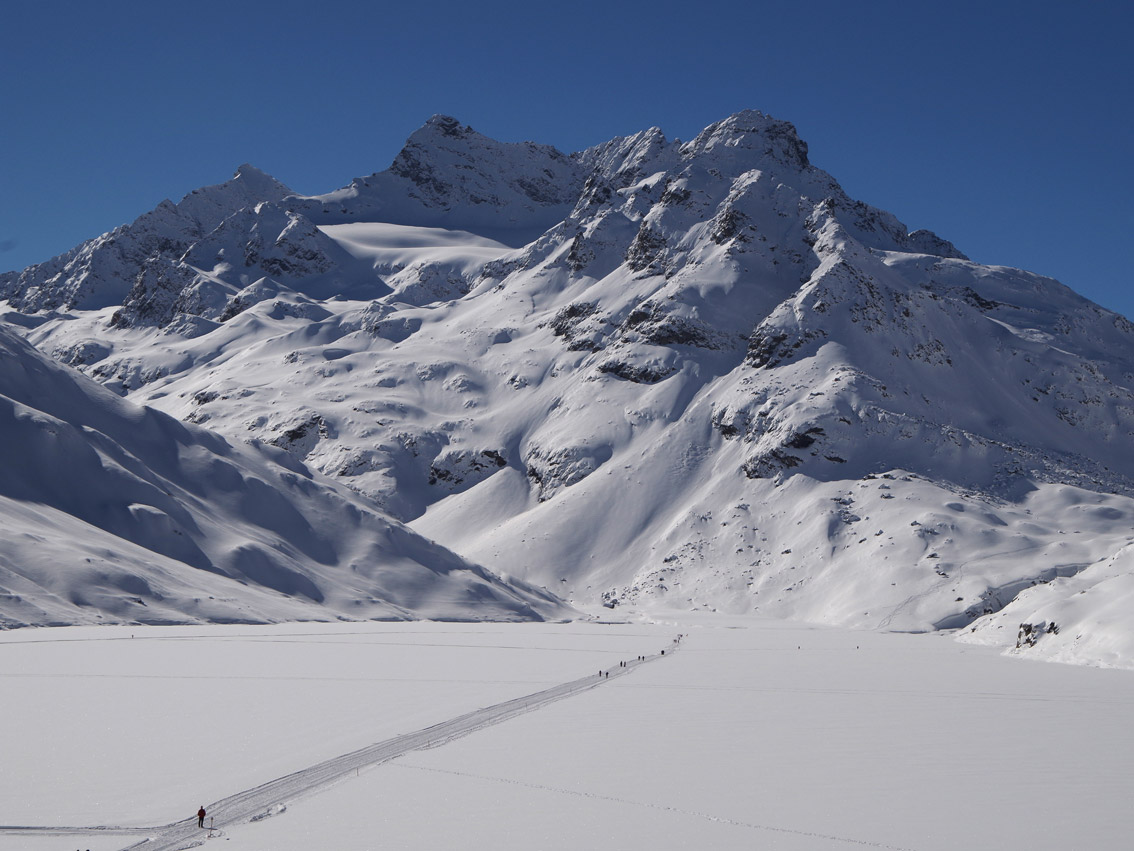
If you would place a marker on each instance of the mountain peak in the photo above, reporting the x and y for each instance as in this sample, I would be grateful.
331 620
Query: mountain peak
252 176
449 175
443 141
245 169
250 182
447 126
100 272
752 130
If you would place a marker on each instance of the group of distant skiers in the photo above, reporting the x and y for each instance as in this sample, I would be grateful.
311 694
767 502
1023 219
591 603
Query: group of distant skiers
606 674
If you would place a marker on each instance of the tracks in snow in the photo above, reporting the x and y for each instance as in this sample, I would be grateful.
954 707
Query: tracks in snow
260 800
825 837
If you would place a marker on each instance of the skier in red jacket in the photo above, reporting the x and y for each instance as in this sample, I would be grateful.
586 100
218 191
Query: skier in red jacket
201 816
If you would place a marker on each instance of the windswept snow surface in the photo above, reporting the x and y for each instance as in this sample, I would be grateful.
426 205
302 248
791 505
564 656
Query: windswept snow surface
753 734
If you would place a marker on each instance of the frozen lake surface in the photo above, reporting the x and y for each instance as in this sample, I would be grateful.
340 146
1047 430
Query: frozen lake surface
753 734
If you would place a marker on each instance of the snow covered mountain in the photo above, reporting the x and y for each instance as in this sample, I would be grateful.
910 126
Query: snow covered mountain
659 373
450 176
111 512
100 271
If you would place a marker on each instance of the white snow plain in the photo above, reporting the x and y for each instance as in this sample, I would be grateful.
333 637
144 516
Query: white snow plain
753 734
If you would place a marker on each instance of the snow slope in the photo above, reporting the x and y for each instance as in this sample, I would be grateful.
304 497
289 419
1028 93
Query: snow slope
663 373
112 512
1084 615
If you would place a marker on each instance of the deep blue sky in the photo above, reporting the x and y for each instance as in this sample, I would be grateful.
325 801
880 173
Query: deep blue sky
1006 127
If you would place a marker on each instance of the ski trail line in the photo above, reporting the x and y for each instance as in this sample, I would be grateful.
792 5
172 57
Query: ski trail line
244 806
39 830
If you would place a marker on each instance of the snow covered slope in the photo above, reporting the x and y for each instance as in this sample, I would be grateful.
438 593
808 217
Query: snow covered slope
651 373
112 512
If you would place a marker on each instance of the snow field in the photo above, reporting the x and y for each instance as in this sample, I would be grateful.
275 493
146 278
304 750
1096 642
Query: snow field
754 734
112 730
851 740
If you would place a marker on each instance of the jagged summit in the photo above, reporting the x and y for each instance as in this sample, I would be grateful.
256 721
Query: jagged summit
260 184
101 271
447 174
209 206
446 125
251 172
751 131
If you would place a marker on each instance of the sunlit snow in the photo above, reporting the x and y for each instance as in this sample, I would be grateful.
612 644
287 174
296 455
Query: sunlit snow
748 734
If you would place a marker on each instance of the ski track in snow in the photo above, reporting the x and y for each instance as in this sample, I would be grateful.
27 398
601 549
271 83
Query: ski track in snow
33 830
262 801
664 808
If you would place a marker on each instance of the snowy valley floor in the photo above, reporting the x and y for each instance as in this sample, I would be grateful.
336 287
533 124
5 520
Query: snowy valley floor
753 735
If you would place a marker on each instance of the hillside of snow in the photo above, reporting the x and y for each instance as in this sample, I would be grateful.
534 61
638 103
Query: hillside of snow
657 373
111 513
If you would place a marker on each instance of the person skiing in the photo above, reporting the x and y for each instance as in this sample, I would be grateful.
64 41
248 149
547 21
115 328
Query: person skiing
201 816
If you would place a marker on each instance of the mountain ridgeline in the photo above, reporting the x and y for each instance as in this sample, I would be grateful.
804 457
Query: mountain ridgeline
651 373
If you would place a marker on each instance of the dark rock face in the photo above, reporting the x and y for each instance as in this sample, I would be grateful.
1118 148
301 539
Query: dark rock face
639 374
647 251
655 324
567 319
158 293
460 470
770 347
